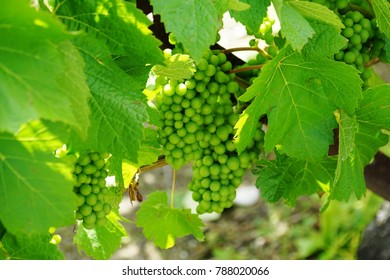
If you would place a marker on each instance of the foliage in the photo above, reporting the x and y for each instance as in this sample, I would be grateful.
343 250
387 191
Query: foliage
74 73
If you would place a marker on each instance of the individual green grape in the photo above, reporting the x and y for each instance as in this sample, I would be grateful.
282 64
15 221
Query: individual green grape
349 57
85 189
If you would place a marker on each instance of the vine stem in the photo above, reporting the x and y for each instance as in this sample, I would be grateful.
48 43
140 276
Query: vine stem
248 68
242 82
173 187
372 62
231 50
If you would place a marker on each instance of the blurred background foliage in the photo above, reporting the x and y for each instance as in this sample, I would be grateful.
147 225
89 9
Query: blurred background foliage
257 230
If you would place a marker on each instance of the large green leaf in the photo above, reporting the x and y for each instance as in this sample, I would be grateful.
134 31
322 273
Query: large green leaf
299 95
119 109
326 42
349 177
102 241
193 22
31 247
374 108
119 24
286 178
295 28
177 67
382 12
252 17
317 12
36 189
41 73
163 224
360 138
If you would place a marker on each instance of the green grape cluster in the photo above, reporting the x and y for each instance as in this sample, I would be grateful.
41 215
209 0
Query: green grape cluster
364 42
186 108
198 118
181 110
90 187
218 173
265 33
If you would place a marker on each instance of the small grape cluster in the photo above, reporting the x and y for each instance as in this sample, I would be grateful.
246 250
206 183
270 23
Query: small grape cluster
364 42
90 187
266 34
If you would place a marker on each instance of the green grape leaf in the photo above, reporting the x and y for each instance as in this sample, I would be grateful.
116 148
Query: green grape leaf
120 25
3 253
374 108
36 189
163 224
41 72
194 23
317 12
119 109
349 172
252 17
114 197
124 170
299 96
349 177
31 247
139 74
326 42
382 12
177 67
287 178
2 231
148 154
114 164
222 6
247 124
101 242
295 28
237 5
360 138
150 149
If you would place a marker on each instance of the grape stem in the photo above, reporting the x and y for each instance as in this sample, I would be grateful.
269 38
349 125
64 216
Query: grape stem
248 68
363 11
159 163
265 54
243 83
372 62
173 187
